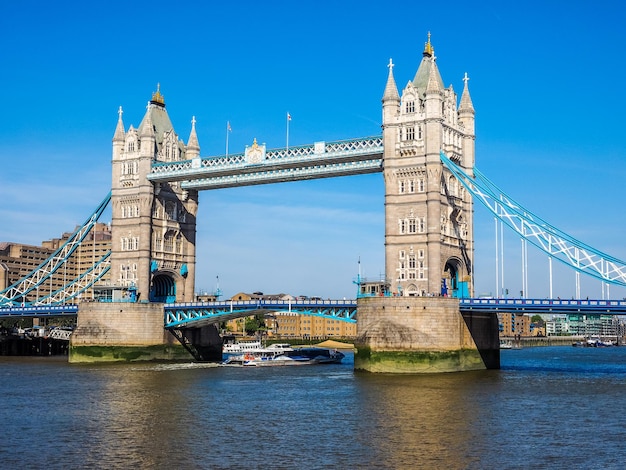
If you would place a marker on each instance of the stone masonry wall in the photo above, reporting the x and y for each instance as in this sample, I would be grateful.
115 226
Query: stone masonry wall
120 324
421 335
410 323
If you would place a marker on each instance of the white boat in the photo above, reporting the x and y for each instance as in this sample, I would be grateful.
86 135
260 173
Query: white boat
253 346
506 344
277 356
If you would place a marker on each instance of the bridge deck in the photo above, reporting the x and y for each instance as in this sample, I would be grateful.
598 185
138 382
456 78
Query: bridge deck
318 160
345 310
556 306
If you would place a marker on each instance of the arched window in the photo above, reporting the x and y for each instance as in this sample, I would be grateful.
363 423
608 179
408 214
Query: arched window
170 210
168 245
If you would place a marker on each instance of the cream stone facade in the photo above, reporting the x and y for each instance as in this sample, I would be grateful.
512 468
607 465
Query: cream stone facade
429 246
153 225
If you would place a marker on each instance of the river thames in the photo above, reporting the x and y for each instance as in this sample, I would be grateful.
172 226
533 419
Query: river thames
550 407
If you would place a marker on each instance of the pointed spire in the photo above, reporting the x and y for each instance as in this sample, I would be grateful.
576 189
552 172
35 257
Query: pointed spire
157 97
424 72
466 102
434 84
147 128
428 48
119 130
193 147
391 89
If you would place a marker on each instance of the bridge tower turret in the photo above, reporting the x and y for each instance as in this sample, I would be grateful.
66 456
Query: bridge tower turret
153 224
428 215
428 237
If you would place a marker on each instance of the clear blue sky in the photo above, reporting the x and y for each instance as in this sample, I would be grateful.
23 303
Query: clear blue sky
545 79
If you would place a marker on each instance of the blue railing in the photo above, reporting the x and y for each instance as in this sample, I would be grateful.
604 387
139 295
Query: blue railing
609 307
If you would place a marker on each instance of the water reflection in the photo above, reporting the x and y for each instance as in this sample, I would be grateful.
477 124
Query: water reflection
536 412
423 420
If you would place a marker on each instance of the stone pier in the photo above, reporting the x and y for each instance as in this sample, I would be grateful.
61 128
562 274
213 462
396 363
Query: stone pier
423 335
123 332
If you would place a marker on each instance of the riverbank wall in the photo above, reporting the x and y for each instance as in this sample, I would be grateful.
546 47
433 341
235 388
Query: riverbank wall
538 341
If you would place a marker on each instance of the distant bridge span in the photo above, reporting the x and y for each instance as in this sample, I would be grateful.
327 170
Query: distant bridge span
197 314
544 306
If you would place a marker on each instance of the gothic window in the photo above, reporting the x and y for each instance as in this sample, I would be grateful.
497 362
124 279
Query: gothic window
412 262
420 185
402 226
464 231
411 186
158 243
179 244
420 253
412 225
170 210
131 146
136 211
452 186
401 254
401 188
419 132
410 106
410 133
169 242
422 225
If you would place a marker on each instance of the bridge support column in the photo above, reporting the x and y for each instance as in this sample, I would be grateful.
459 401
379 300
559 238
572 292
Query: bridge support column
122 332
203 343
423 335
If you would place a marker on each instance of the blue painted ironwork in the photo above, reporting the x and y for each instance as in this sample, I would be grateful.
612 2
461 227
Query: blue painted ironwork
77 286
544 306
41 311
563 247
195 314
319 160
16 293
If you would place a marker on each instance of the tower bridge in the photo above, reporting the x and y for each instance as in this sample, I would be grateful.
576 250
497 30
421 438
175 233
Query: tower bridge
426 156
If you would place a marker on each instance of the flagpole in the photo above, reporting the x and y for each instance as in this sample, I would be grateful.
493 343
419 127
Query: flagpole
227 131
288 119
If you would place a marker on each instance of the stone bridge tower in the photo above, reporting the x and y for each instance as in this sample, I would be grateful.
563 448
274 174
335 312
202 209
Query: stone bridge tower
429 246
428 214
153 224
